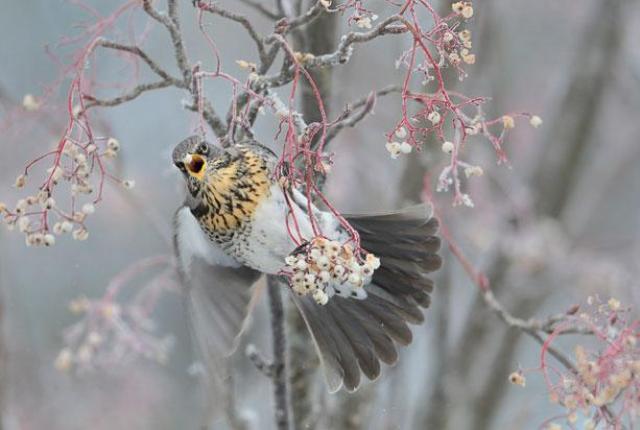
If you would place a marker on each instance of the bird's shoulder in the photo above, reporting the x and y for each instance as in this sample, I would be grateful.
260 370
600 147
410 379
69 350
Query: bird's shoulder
253 150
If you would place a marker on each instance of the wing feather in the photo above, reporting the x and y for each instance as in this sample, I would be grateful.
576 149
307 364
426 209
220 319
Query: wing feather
218 295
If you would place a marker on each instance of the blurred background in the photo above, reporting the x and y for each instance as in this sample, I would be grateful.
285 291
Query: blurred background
557 225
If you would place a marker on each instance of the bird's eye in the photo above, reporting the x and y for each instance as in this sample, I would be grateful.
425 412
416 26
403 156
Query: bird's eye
203 149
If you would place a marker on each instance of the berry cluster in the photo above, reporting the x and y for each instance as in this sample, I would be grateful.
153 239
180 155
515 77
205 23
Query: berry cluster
602 388
75 164
325 267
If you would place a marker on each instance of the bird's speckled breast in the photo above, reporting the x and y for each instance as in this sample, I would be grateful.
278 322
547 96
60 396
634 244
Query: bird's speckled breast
232 192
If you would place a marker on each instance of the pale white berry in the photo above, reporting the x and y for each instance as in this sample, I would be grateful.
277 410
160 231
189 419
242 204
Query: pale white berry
434 117
21 206
30 103
49 203
113 144
290 260
324 276
301 265
355 279
298 278
20 181
405 148
88 208
66 226
80 234
535 121
129 184
320 297
393 148
447 147
473 171
57 228
49 239
366 270
373 261
315 254
80 158
323 262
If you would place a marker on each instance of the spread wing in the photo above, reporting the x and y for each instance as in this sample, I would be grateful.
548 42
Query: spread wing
354 336
218 296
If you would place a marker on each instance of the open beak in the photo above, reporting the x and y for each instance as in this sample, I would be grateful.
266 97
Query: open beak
195 165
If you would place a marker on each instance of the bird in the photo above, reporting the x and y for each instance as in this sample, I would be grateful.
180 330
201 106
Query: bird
232 229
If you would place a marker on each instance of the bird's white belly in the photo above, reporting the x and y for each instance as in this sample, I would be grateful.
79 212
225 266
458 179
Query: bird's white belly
269 237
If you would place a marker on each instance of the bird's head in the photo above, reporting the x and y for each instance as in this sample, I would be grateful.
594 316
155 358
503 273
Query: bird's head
196 159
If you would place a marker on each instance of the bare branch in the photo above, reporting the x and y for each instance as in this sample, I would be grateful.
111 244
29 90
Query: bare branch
171 23
279 365
344 50
134 93
135 50
240 19
547 325
210 116
257 5
340 56
351 119
309 16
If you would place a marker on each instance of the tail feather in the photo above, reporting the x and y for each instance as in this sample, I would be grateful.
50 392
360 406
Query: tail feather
353 336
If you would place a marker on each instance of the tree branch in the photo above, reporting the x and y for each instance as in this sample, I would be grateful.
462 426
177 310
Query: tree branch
134 93
171 23
257 5
279 364
309 16
135 50
240 19
350 119
344 51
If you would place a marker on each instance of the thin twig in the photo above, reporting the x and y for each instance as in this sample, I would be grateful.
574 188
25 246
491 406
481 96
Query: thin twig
343 52
171 23
126 97
240 19
547 325
135 50
366 104
308 17
257 5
